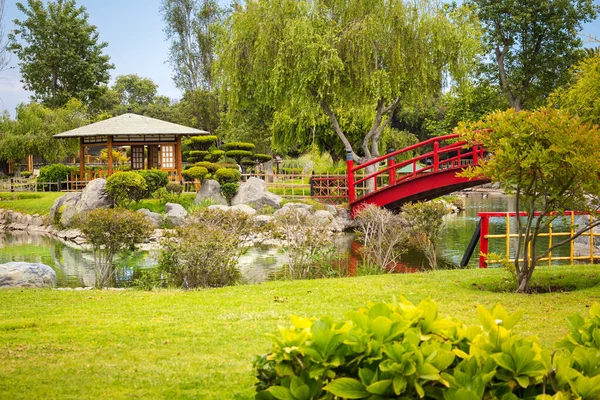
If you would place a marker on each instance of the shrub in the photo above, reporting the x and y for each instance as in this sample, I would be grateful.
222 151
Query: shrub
403 351
155 179
263 157
204 141
239 146
175 188
214 155
230 165
195 173
125 187
227 175
238 154
110 232
198 154
211 167
205 252
246 162
54 173
25 174
229 190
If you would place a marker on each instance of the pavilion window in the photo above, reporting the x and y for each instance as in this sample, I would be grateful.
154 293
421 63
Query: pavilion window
137 157
167 155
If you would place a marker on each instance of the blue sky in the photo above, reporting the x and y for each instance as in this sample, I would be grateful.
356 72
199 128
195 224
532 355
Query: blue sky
136 44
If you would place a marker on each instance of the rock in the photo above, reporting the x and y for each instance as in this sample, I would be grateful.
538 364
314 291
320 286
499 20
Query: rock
286 210
155 218
298 205
243 208
175 214
262 220
219 207
30 275
323 217
73 205
210 189
254 191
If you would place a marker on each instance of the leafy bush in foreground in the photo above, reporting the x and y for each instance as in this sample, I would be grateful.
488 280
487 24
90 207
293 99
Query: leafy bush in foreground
125 187
155 179
402 351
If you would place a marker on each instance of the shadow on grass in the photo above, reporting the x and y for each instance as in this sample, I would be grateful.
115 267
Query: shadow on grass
544 280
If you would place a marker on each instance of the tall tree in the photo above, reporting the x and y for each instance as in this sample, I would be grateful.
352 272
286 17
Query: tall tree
133 89
190 26
532 44
3 51
307 58
60 56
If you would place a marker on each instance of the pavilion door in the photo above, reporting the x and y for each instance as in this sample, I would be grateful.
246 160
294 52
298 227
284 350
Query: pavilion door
153 156
167 156
137 157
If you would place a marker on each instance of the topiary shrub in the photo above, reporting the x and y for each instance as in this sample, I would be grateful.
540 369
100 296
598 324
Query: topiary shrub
402 351
229 190
227 175
195 173
198 154
214 155
238 154
263 157
110 232
174 188
155 179
203 140
239 146
125 187
211 167
54 173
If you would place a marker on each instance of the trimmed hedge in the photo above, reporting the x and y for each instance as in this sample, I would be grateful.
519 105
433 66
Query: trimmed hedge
263 157
211 167
54 173
238 154
195 173
227 175
203 140
239 146
155 179
125 187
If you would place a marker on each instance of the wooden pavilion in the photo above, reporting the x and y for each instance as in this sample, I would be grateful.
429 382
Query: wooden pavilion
154 143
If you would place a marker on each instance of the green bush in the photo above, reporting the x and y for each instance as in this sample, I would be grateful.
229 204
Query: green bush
175 188
25 174
54 173
211 167
292 171
155 179
214 155
227 175
239 146
229 165
125 187
263 157
111 232
246 162
205 252
399 350
198 154
229 190
204 141
238 154
195 173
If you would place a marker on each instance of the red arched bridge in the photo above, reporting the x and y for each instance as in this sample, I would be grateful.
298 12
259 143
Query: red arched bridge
423 177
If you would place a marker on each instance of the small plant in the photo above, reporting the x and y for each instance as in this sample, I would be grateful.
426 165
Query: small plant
111 232
227 175
195 173
155 179
426 220
25 174
229 190
125 187
54 173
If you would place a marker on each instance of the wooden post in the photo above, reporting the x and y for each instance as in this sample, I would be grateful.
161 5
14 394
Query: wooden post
109 143
30 163
81 160
178 157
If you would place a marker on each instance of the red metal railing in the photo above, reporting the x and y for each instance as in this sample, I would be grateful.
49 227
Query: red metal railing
458 156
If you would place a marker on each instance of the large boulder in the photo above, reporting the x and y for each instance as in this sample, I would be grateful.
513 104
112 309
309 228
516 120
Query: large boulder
210 189
28 275
254 192
175 214
72 205
155 218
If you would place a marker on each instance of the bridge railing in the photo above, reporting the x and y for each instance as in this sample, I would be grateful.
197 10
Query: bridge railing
443 157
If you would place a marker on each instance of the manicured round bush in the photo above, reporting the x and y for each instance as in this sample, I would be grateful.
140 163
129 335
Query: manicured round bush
125 187
198 154
246 162
211 167
54 173
203 140
155 179
227 165
238 154
174 188
239 146
227 175
263 157
214 155
229 190
195 173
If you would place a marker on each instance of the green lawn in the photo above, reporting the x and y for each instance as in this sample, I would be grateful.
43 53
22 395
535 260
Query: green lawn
180 345
29 202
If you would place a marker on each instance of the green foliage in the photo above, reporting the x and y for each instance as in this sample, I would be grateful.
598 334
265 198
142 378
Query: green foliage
174 188
125 187
110 232
246 162
238 154
262 158
404 351
155 179
426 221
195 173
203 141
54 173
211 167
582 96
204 253
53 68
229 190
227 175
532 45
239 146
214 155
548 159
133 89
198 154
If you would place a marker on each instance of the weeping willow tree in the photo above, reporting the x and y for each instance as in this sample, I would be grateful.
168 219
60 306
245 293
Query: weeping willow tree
305 59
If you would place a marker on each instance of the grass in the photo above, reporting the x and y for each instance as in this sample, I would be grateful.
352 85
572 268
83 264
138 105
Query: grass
158 206
28 202
200 344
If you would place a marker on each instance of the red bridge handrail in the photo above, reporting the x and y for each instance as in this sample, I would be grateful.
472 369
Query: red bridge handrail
474 152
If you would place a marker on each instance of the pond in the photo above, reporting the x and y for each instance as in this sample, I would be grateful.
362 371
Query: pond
74 267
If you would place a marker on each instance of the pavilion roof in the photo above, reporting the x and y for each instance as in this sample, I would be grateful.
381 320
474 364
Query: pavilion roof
131 124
